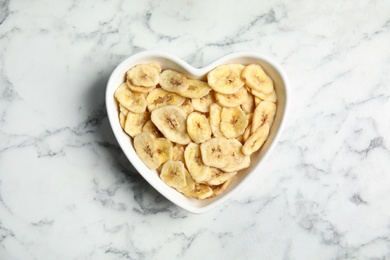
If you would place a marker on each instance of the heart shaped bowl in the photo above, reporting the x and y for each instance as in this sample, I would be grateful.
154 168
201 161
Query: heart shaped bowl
172 62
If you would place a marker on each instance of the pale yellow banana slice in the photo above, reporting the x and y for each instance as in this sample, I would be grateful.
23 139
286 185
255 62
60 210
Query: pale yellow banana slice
218 176
196 89
226 78
173 173
132 101
150 127
164 149
219 189
249 105
193 159
171 121
237 160
215 152
161 98
145 146
233 122
178 152
256 140
247 133
189 187
122 119
140 89
272 97
232 100
173 81
147 75
263 114
201 191
187 106
135 122
203 104
198 127
256 78
215 119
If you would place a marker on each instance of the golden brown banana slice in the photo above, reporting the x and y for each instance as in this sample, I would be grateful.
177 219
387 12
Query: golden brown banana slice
263 114
215 152
219 189
233 122
173 81
215 119
256 140
132 101
146 149
122 120
193 159
147 75
189 187
198 127
150 127
140 89
171 121
249 105
178 152
203 104
226 79
232 100
267 97
160 98
237 160
173 173
135 122
196 89
256 78
201 191
218 176
187 106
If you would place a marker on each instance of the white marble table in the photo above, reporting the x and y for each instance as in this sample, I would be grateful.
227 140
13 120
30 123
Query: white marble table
68 192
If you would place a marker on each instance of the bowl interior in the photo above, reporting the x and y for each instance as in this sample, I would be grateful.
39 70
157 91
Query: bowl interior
169 61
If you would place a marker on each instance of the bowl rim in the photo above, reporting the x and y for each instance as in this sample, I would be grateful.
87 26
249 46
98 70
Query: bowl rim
197 72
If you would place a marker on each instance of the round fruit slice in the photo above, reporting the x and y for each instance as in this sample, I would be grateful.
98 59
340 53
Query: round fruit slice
160 98
196 89
256 78
147 75
268 97
193 159
237 160
150 127
173 173
198 127
145 146
140 89
132 101
201 191
171 121
203 104
218 176
173 81
232 100
135 122
233 122
226 78
215 152
263 114
256 140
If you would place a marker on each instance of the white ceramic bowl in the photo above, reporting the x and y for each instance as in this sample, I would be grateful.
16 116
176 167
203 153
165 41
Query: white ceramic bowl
169 61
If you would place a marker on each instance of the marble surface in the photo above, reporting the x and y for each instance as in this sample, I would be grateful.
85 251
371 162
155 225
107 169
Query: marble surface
68 192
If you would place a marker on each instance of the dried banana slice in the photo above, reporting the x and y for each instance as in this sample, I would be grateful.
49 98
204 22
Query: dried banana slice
237 160
173 81
215 119
271 97
178 152
187 106
173 173
226 78
161 98
256 140
198 127
215 152
123 110
218 176
193 159
171 121
164 149
247 132
201 191
256 78
132 101
147 75
233 122
146 148
232 100
203 104
196 89
263 114
150 127
249 105
189 187
135 122
219 189
140 89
